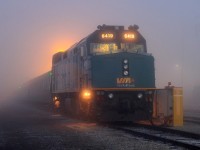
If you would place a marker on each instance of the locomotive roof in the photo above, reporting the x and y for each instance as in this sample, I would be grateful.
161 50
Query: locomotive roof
99 29
109 28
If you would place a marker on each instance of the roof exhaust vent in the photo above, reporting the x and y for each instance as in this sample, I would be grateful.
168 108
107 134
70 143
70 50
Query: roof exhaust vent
133 27
108 27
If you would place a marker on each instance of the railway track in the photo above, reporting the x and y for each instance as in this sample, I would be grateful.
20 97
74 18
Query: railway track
195 120
175 137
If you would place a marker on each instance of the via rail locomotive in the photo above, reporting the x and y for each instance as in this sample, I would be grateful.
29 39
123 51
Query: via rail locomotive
108 75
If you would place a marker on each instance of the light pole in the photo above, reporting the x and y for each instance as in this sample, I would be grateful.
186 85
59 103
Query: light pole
179 75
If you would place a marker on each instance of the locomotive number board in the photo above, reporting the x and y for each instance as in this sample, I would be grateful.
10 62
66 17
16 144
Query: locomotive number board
107 35
123 36
129 35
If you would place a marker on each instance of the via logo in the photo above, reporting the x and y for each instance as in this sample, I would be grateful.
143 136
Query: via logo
126 80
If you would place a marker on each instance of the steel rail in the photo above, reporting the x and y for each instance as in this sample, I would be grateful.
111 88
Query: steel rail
175 137
195 120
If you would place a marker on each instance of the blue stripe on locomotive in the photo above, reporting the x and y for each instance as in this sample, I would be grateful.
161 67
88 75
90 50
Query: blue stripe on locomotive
106 69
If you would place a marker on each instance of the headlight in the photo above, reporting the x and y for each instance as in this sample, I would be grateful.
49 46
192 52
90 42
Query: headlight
57 104
125 73
140 95
125 66
125 61
55 98
111 95
86 94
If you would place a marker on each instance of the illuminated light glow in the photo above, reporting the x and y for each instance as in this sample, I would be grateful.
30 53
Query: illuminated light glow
107 36
81 126
140 95
57 104
60 44
125 61
111 95
125 66
61 50
177 65
55 98
86 94
129 36
125 73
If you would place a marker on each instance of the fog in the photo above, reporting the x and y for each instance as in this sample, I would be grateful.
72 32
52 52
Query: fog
32 31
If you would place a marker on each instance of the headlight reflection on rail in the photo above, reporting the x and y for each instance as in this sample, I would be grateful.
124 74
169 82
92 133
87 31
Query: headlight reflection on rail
57 104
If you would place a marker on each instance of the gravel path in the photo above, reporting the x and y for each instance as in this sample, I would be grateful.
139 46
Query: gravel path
23 128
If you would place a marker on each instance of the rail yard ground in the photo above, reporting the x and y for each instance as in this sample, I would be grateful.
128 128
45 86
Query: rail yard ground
25 127
191 122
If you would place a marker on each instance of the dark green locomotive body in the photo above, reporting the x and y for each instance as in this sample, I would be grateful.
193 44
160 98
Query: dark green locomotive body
107 71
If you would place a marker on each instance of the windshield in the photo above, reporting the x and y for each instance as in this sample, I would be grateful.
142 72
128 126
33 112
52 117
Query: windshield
109 48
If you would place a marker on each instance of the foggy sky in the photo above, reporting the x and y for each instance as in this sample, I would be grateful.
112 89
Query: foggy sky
32 31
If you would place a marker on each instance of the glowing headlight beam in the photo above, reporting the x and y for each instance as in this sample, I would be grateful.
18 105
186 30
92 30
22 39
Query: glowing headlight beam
86 94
